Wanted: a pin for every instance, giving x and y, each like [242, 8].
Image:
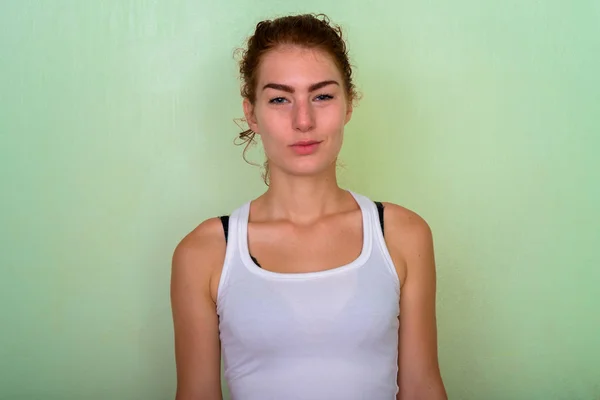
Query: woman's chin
[306, 169]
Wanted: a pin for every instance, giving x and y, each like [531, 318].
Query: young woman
[309, 291]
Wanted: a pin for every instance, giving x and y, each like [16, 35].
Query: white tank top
[324, 335]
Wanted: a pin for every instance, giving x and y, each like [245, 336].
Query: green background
[116, 130]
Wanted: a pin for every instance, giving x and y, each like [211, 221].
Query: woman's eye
[323, 97]
[278, 100]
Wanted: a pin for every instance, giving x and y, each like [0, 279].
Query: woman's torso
[330, 334]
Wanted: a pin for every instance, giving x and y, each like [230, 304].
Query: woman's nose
[303, 119]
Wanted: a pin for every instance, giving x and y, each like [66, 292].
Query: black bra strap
[225, 222]
[380, 211]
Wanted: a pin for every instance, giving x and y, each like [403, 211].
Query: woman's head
[297, 88]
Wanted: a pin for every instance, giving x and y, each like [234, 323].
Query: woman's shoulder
[201, 252]
[206, 233]
[405, 230]
[402, 218]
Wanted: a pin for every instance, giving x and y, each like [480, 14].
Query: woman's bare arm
[197, 262]
[410, 242]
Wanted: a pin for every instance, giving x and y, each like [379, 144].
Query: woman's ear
[349, 110]
[249, 114]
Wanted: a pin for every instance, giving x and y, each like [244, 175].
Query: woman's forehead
[297, 65]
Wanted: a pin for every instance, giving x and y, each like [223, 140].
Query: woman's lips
[305, 147]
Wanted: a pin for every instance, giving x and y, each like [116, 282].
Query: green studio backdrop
[116, 130]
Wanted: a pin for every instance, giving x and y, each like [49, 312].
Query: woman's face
[300, 111]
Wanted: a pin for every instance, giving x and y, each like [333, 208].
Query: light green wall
[116, 139]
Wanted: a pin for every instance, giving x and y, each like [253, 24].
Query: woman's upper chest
[285, 248]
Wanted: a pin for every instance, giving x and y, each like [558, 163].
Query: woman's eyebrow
[289, 89]
[319, 85]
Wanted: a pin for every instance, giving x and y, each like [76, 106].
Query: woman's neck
[301, 200]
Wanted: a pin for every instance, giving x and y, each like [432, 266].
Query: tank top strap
[231, 228]
[375, 216]
[369, 207]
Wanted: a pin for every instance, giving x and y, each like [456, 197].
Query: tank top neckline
[356, 263]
